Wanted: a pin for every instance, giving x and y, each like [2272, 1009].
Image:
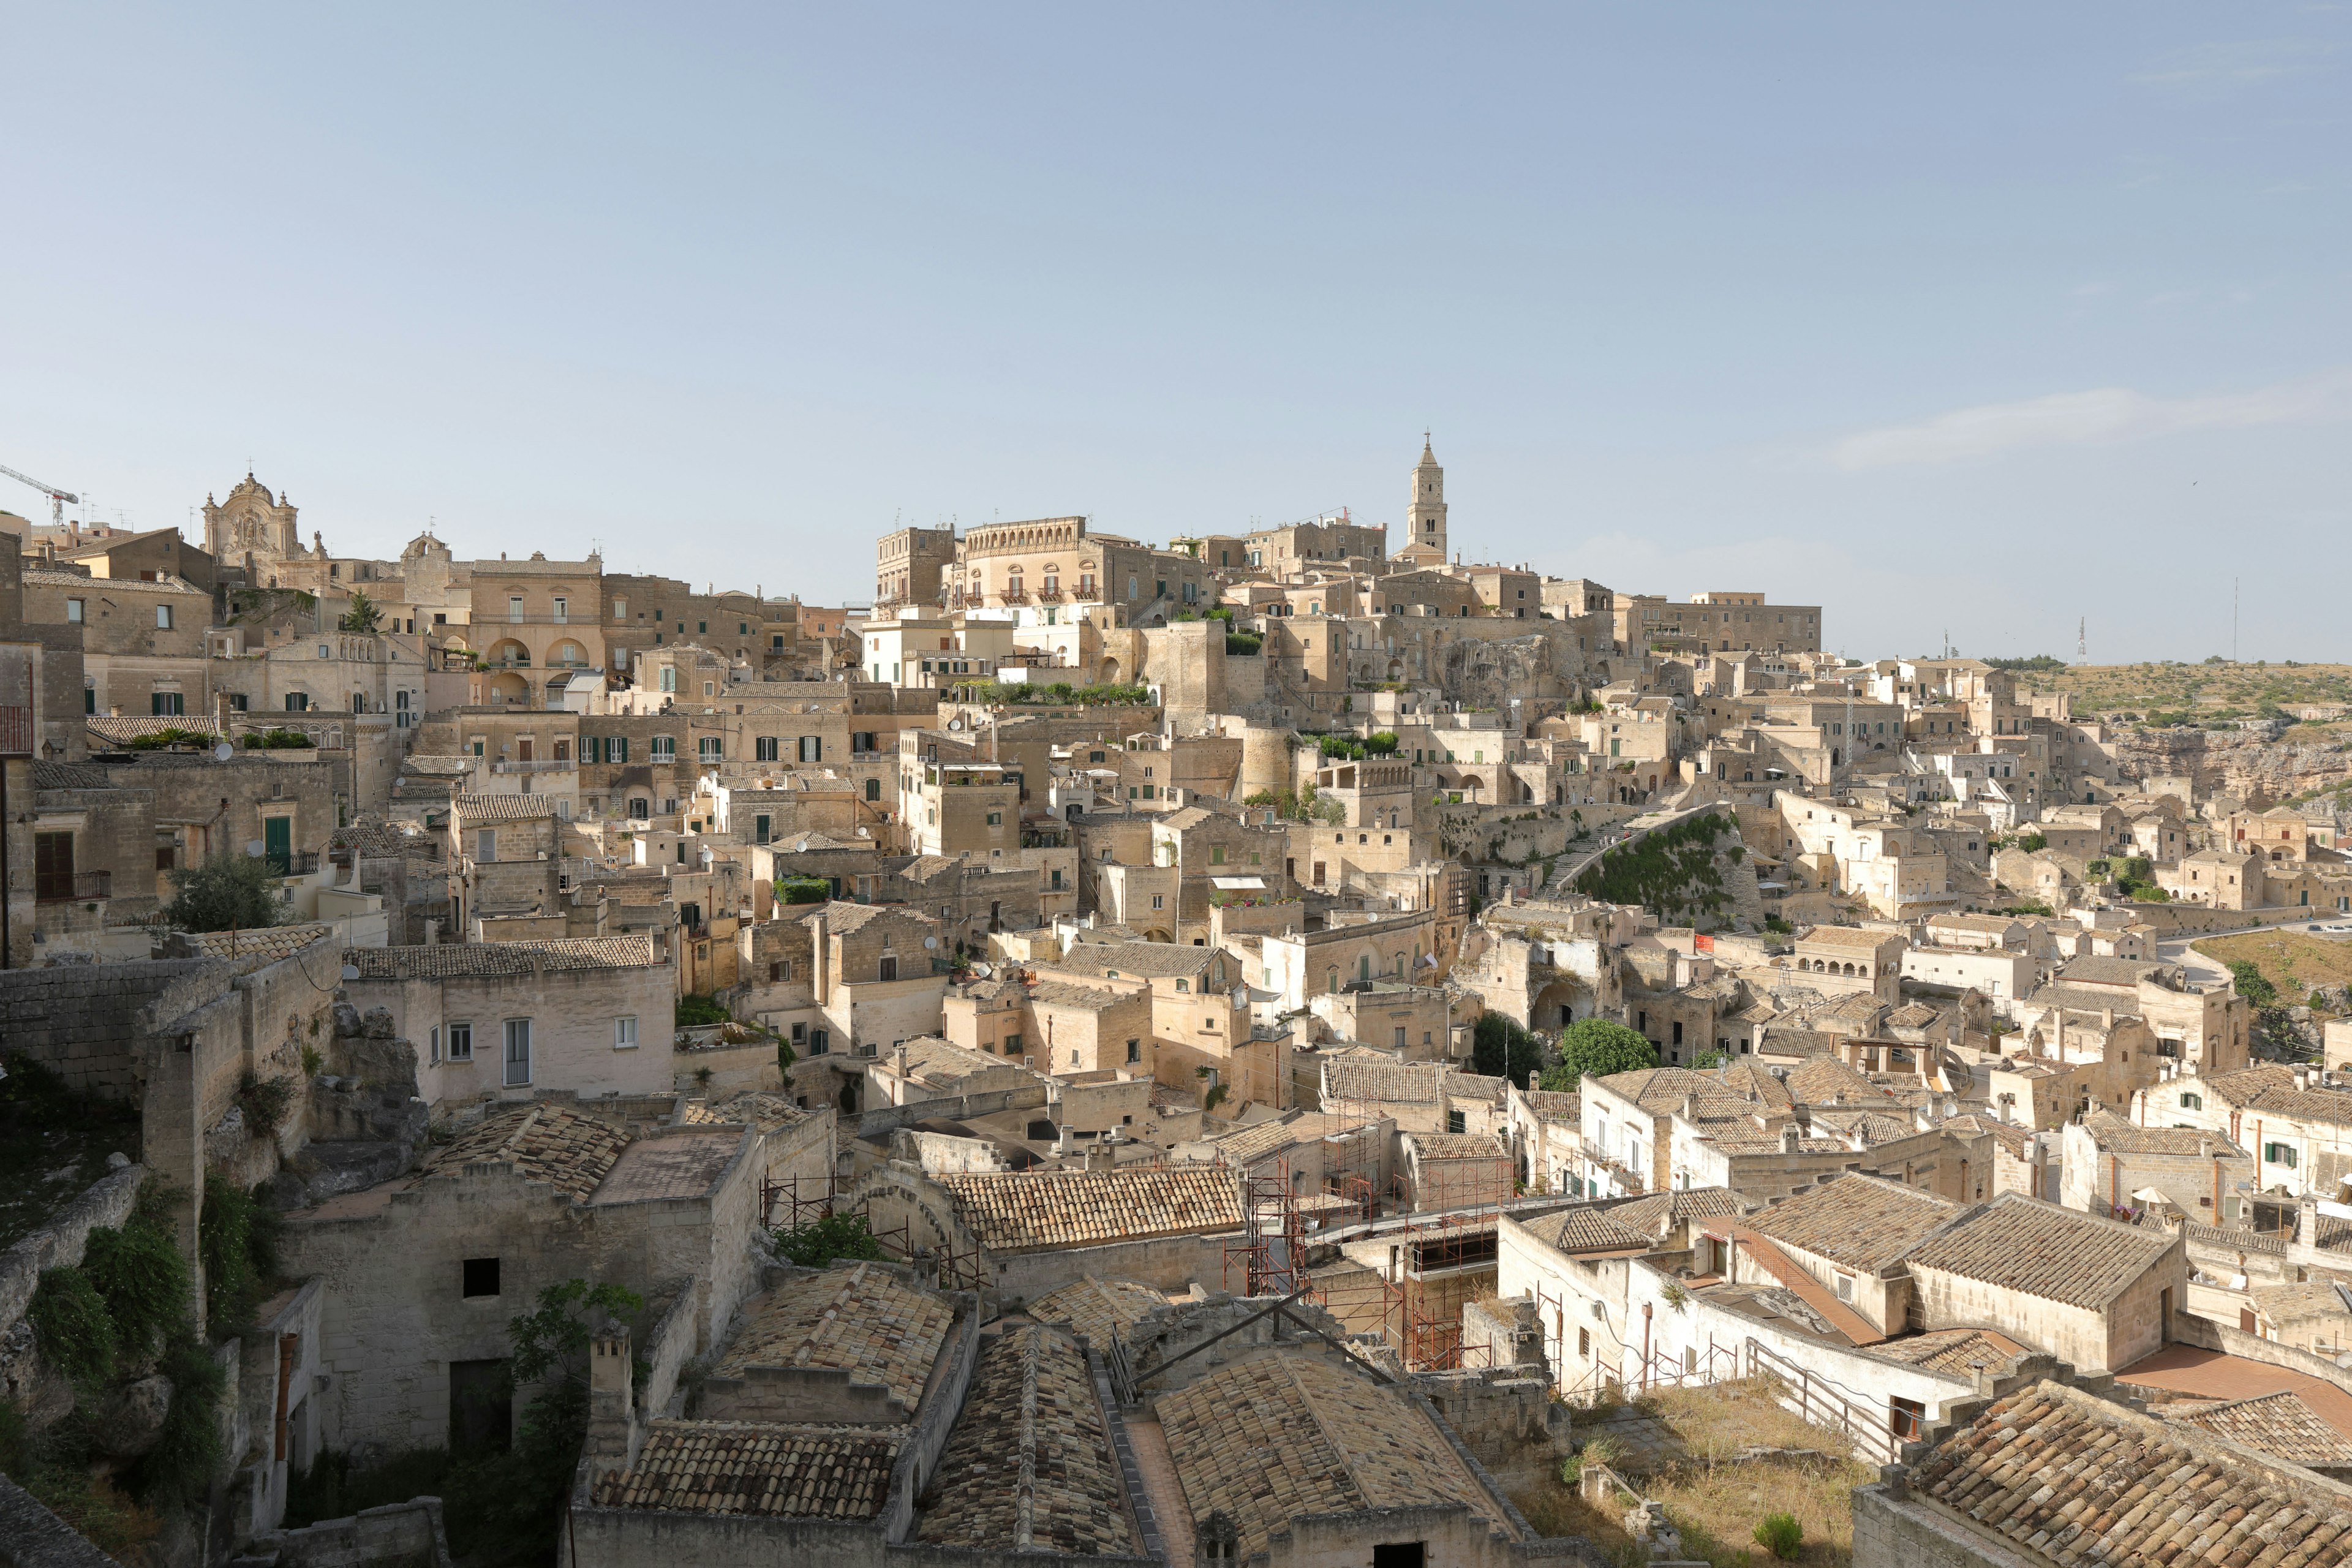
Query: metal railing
[66, 887]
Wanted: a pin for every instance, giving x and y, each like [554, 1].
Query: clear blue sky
[1979, 318]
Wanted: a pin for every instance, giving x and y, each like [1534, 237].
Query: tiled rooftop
[1550, 1105]
[1590, 1230]
[865, 1320]
[2270, 1087]
[1102, 1310]
[441, 960]
[1647, 1214]
[1861, 1222]
[1030, 1413]
[543, 1143]
[1845, 937]
[772, 1471]
[503, 807]
[2112, 1132]
[1957, 1350]
[2067, 1478]
[1432, 1146]
[2023, 1244]
[268, 943]
[1378, 1081]
[1022, 1210]
[769, 1112]
[1282, 1435]
[2280, 1425]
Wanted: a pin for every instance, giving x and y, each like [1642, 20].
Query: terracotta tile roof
[1756, 1083]
[1018, 1211]
[2023, 1244]
[1827, 1080]
[2271, 1087]
[1378, 1081]
[1462, 1085]
[1861, 1222]
[1030, 1431]
[1281, 1436]
[1647, 1214]
[2112, 1132]
[1873, 1127]
[2010, 1137]
[679, 1165]
[2280, 1425]
[2119, 972]
[269, 943]
[1102, 1310]
[1551, 1105]
[2329, 1296]
[106, 728]
[766, 1111]
[376, 839]
[863, 1321]
[775, 1471]
[543, 1143]
[1136, 959]
[1955, 1351]
[442, 961]
[503, 807]
[1662, 1090]
[1847, 937]
[1068, 993]
[1590, 1230]
[2068, 1478]
[1457, 1146]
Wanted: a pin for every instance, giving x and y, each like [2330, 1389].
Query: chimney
[1690, 1107]
[898, 1059]
[2106, 1018]
[818, 977]
[1788, 1138]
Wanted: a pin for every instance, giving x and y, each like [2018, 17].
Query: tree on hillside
[1597, 1047]
[225, 891]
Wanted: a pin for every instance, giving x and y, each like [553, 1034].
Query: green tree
[1597, 1047]
[2252, 983]
[364, 616]
[2034, 843]
[223, 891]
[1500, 1049]
[802, 889]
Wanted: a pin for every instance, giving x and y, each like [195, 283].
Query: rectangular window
[162, 617]
[811, 748]
[461, 1042]
[625, 1034]
[664, 749]
[517, 1052]
[759, 830]
[1135, 1051]
[763, 749]
[820, 1041]
[486, 844]
[709, 749]
[1456, 1122]
[620, 610]
[76, 610]
[562, 609]
[481, 1277]
[616, 749]
[433, 1044]
[166, 702]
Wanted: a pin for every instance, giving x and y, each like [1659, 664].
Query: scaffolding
[1351, 1168]
[1269, 1253]
[1417, 1317]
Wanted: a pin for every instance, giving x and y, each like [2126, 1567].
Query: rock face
[1488, 674]
[2236, 761]
[129, 1419]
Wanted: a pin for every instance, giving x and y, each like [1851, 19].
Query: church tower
[1425, 518]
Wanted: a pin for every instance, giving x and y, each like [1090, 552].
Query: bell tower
[1424, 520]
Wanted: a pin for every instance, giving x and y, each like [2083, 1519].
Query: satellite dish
[983, 970]
[930, 941]
[255, 847]
[955, 723]
[223, 751]
[350, 971]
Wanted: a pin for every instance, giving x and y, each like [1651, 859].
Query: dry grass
[2197, 691]
[1716, 1500]
[2289, 959]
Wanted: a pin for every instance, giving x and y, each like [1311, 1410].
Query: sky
[1976, 323]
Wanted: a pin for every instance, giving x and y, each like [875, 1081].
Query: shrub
[2252, 984]
[818, 1243]
[802, 889]
[2034, 843]
[1781, 1535]
[277, 741]
[222, 891]
[142, 1279]
[264, 1101]
[72, 1327]
[695, 1009]
[237, 1239]
[1243, 644]
[179, 1467]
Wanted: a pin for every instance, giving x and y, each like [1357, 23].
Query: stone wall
[398, 1535]
[1896, 1529]
[33, 1537]
[56, 1245]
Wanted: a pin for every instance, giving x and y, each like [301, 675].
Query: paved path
[2215, 1374]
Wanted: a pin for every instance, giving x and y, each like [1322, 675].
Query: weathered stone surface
[126, 1422]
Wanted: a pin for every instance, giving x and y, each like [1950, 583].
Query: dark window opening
[481, 1406]
[1401, 1554]
[481, 1277]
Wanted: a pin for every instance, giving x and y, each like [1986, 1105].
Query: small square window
[481, 1277]
[625, 1034]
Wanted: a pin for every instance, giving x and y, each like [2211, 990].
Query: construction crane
[57, 498]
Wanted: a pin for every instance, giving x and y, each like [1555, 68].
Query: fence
[1868, 1427]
